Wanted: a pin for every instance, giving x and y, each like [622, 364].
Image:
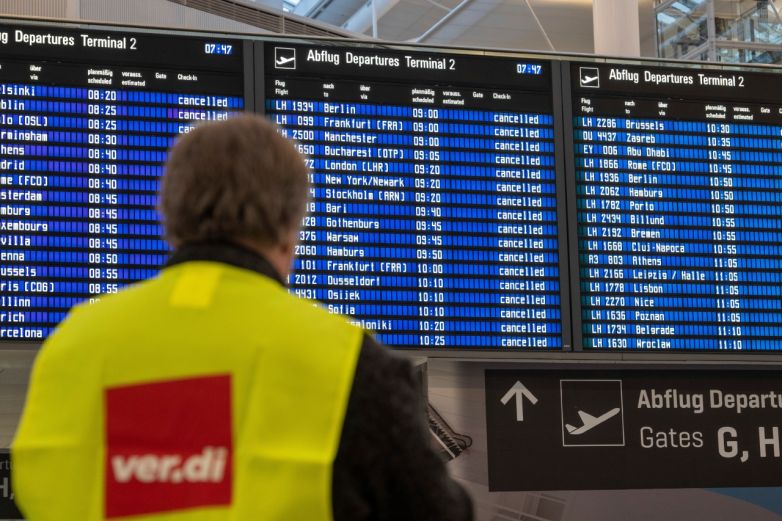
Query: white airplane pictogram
[590, 422]
[589, 79]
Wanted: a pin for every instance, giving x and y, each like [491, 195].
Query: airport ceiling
[508, 24]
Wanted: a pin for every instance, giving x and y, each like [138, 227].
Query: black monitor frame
[689, 356]
[559, 158]
[565, 181]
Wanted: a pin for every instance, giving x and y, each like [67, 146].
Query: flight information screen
[433, 218]
[678, 174]
[86, 118]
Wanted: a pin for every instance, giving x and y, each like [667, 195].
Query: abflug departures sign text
[362, 63]
[674, 82]
[122, 47]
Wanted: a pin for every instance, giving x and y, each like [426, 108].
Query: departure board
[678, 174]
[434, 216]
[87, 116]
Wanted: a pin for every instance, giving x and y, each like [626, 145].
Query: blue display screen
[82, 142]
[433, 218]
[679, 195]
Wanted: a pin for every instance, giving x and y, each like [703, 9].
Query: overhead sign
[592, 430]
[8, 509]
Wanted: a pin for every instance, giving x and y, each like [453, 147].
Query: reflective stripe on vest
[208, 393]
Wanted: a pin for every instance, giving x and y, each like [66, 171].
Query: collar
[227, 253]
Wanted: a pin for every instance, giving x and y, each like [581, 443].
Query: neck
[277, 255]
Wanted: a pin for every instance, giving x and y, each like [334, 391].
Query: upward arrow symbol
[519, 390]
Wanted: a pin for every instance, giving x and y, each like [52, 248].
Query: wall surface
[42, 8]
[158, 13]
[14, 373]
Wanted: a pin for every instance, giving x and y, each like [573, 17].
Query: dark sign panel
[592, 430]
[8, 509]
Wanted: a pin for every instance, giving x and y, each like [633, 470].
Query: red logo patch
[168, 446]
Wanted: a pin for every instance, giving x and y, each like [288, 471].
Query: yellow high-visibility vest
[207, 393]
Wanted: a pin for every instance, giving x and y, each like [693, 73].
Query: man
[210, 392]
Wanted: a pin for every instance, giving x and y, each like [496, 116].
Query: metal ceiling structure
[273, 18]
[548, 25]
[537, 25]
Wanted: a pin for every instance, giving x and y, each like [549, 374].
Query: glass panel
[753, 21]
[681, 27]
[738, 55]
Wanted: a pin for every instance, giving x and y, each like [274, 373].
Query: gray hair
[233, 179]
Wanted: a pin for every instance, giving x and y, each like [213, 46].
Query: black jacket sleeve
[386, 468]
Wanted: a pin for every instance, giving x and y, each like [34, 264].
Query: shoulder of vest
[305, 311]
[253, 286]
[289, 315]
[82, 318]
[311, 310]
[111, 302]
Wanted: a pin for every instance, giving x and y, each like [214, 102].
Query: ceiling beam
[442, 21]
[364, 17]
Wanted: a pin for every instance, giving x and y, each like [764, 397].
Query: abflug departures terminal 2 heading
[455, 195]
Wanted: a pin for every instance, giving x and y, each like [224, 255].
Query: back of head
[237, 179]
